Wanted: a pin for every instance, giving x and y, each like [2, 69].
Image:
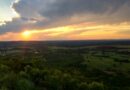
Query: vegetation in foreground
[65, 68]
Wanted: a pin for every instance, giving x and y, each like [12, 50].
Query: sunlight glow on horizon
[26, 35]
[79, 32]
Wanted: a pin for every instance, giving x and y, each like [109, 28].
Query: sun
[26, 35]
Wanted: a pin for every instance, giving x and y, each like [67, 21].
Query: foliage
[65, 69]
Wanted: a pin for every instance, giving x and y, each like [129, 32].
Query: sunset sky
[64, 19]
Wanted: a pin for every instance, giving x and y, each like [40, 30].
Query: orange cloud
[73, 32]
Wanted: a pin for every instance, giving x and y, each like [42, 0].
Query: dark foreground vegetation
[38, 67]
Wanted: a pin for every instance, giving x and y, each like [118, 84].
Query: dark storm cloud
[51, 13]
[68, 8]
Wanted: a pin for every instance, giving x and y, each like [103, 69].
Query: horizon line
[65, 40]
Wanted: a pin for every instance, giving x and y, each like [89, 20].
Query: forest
[96, 67]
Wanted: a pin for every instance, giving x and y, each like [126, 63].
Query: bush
[24, 84]
[96, 86]
[12, 81]
[83, 86]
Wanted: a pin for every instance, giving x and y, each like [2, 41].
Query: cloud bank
[40, 14]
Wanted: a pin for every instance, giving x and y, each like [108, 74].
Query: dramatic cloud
[39, 14]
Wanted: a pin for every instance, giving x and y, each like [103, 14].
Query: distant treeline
[65, 43]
